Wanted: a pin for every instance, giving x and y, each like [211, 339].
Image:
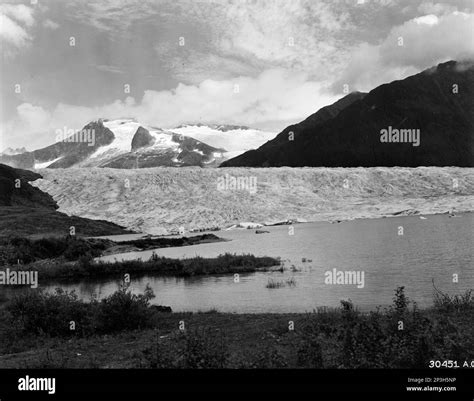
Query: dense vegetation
[62, 314]
[86, 268]
[153, 243]
[123, 330]
[23, 250]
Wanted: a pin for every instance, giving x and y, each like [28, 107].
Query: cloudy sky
[260, 63]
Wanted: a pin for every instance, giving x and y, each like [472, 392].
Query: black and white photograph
[236, 199]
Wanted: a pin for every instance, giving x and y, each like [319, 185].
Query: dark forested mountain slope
[428, 118]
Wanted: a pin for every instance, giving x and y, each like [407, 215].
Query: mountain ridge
[127, 143]
[428, 101]
[122, 143]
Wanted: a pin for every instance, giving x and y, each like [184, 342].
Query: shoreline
[256, 226]
[253, 229]
[334, 338]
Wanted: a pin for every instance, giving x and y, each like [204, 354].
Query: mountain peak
[142, 138]
[426, 119]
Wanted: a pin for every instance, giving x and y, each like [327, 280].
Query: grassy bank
[22, 250]
[124, 331]
[163, 242]
[40, 222]
[72, 259]
[86, 268]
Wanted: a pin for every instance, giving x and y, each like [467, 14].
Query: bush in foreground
[62, 314]
[400, 336]
[124, 311]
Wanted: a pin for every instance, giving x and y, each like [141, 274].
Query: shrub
[37, 312]
[459, 302]
[400, 300]
[291, 282]
[86, 262]
[27, 251]
[77, 248]
[274, 284]
[124, 311]
[40, 313]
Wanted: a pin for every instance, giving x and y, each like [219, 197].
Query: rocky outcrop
[141, 138]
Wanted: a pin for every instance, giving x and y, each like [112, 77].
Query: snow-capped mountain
[137, 145]
[235, 139]
[126, 143]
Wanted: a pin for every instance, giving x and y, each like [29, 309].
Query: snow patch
[235, 141]
[46, 164]
[123, 130]
[163, 140]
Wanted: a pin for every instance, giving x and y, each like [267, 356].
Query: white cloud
[429, 19]
[12, 33]
[21, 13]
[15, 21]
[32, 116]
[27, 128]
[427, 41]
[50, 24]
[275, 94]
[258, 32]
[436, 8]
[246, 43]
[298, 35]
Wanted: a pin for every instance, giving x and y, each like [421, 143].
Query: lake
[434, 247]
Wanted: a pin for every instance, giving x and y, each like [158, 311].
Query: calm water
[434, 248]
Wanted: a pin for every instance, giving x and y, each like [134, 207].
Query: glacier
[235, 141]
[161, 200]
